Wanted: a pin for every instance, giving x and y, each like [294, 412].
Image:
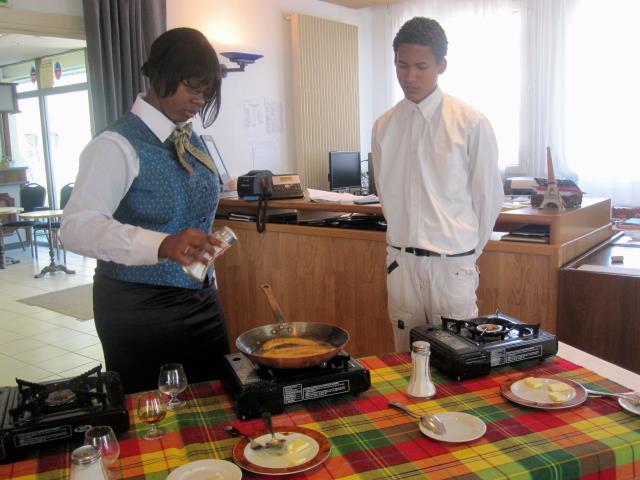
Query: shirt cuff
[147, 244]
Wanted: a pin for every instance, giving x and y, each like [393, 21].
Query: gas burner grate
[38, 399]
[490, 328]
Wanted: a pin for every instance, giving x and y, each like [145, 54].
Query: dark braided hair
[423, 31]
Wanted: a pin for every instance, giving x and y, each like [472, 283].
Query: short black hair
[423, 31]
[181, 54]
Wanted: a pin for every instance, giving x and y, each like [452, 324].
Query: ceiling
[16, 47]
[361, 3]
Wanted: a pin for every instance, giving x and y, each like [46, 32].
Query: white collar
[153, 118]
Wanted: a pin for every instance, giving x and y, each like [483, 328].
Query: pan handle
[277, 312]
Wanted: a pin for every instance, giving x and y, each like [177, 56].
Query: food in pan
[293, 347]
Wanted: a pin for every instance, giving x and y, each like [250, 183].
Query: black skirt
[142, 327]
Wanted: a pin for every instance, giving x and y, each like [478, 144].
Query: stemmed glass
[152, 409]
[172, 381]
[104, 439]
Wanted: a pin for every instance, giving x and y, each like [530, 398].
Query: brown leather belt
[419, 252]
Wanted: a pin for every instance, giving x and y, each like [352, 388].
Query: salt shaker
[86, 464]
[198, 270]
[420, 385]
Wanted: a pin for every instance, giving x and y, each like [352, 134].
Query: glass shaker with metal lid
[420, 385]
[86, 464]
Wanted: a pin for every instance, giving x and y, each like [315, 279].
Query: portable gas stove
[256, 389]
[38, 414]
[469, 348]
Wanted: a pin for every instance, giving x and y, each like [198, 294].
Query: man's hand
[188, 246]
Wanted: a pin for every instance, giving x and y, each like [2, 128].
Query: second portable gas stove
[470, 348]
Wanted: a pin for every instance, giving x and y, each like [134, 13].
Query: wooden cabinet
[599, 304]
[338, 275]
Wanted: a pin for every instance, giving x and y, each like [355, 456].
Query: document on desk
[322, 196]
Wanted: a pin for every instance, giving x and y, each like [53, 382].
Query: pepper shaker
[420, 385]
[198, 270]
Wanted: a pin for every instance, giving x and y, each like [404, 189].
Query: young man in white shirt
[437, 176]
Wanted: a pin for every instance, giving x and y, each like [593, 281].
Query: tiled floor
[38, 344]
[35, 343]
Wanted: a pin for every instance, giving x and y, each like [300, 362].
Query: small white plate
[540, 395]
[460, 427]
[273, 458]
[628, 406]
[206, 470]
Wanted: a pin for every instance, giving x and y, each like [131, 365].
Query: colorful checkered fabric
[371, 441]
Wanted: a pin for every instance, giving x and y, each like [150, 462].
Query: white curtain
[603, 98]
[557, 73]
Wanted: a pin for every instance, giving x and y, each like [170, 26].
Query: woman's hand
[188, 246]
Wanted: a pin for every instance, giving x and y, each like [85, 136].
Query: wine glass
[172, 381]
[152, 409]
[104, 439]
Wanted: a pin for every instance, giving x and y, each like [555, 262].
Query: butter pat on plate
[559, 387]
[533, 382]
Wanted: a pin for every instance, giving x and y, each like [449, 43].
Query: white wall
[260, 26]
[62, 7]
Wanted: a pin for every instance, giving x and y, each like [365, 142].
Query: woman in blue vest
[143, 204]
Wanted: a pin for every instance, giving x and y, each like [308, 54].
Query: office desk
[319, 273]
[371, 441]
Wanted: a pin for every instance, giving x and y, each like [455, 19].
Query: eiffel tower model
[552, 197]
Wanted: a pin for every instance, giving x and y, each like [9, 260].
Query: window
[56, 99]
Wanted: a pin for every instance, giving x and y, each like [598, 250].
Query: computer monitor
[213, 152]
[344, 170]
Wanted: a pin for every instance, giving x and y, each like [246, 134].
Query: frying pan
[250, 342]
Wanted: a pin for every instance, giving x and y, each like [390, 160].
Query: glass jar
[198, 270]
[420, 385]
[86, 464]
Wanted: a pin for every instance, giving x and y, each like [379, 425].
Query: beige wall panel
[326, 105]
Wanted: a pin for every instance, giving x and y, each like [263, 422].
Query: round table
[4, 260]
[48, 214]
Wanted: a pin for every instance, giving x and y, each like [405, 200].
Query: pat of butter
[298, 445]
[532, 382]
[295, 458]
[559, 387]
[557, 396]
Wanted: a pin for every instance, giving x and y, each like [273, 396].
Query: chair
[65, 194]
[7, 222]
[33, 197]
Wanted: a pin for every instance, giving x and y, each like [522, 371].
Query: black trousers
[142, 327]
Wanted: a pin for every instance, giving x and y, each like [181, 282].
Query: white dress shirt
[108, 166]
[437, 175]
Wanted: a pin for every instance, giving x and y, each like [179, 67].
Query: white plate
[517, 391]
[628, 406]
[272, 458]
[206, 470]
[460, 427]
[268, 461]
[540, 395]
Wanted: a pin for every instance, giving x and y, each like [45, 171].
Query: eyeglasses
[206, 93]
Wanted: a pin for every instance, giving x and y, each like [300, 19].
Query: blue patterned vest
[163, 197]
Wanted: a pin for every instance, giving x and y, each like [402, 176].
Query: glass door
[69, 129]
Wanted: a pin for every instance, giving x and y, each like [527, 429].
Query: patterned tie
[180, 137]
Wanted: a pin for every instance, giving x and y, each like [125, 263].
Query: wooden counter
[338, 275]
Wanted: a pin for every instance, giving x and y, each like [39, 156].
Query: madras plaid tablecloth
[372, 441]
